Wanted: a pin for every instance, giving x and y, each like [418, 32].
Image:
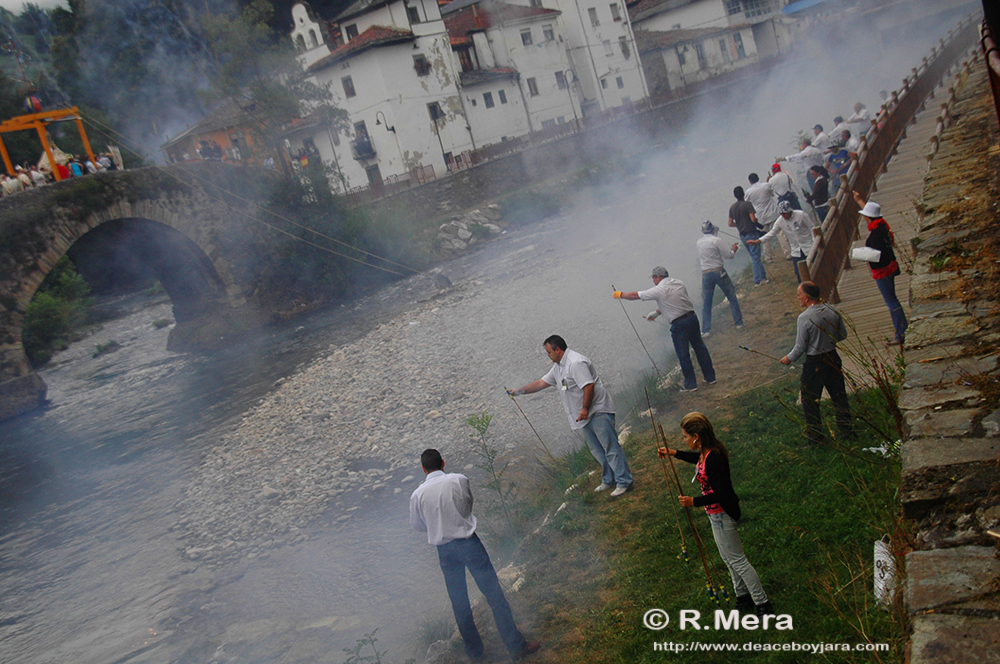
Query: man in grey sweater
[819, 328]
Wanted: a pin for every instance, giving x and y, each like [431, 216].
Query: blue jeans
[602, 439]
[821, 212]
[709, 280]
[759, 274]
[795, 265]
[686, 335]
[455, 557]
[727, 538]
[887, 287]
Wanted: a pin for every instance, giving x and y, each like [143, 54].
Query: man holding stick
[819, 328]
[672, 299]
[589, 409]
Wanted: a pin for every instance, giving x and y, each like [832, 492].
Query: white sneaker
[740, 327]
[693, 389]
[620, 491]
[602, 487]
[706, 335]
[711, 382]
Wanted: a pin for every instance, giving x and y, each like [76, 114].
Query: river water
[131, 527]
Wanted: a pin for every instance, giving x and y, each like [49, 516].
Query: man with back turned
[442, 507]
[819, 328]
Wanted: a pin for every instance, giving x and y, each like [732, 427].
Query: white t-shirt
[839, 130]
[798, 230]
[781, 183]
[671, 298]
[570, 375]
[712, 252]
[821, 142]
[809, 157]
[442, 507]
[853, 144]
[765, 202]
[862, 121]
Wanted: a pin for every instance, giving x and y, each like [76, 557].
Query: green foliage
[57, 311]
[489, 456]
[161, 323]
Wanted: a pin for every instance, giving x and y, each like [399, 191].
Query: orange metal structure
[38, 121]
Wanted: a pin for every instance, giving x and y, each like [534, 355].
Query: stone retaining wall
[950, 480]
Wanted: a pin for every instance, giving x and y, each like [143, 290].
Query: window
[699, 49]
[604, 83]
[548, 123]
[473, 100]
[753, 8]
[526, 37]
[300, 43]
[593, 17]
[561, 120]
[465, 59]
[620, 82]
[626, 101]
[548, 34]
[488, 99]
[616, 14]
[738, 40]
[413, 14]
[733, 7]
[312, 39]
[623, 45]
[724, 50]
[351, 31]
[434, 110]
[421, 65]
[503, 96]
[532, 87]
[607, 48]
[561, 80]
[535, 3]
[680, 57]
[348, 87]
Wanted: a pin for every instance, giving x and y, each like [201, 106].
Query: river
[136, 525]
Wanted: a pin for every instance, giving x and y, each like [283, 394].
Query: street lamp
[379, 122]
[569, 92]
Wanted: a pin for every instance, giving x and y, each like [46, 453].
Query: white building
[688, 41]
[396, 78]
[515, 75]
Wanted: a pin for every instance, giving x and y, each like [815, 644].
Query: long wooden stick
[666, 478]
[655, 368]
[544, 447]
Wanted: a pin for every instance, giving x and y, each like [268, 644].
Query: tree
[256, 70]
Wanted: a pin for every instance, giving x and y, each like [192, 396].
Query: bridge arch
[189, 212]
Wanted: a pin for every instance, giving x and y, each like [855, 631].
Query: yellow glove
[617, 295]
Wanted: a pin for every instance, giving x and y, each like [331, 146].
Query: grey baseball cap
[659, 271]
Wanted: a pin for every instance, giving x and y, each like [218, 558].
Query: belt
[682, 317]
[718, 269]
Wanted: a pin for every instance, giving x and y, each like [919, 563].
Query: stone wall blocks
[917, 398]
[938, 578]
[929, 331]
[940, 423]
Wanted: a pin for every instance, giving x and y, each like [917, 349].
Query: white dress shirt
[798, 231]
[671, 298]
[781, 183]
[765, 202]
[821, 142]
[570, 375]
[809, 157]
[713, 252]
[442, 507]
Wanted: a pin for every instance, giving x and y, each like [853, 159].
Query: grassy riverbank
[811, 516]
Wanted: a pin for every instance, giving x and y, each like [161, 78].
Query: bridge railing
[838, 231]
[991, 52]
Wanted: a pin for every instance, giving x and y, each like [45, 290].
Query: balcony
[362, 148]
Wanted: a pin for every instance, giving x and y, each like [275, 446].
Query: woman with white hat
[885, 269]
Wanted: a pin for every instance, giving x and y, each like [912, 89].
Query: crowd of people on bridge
[31, 176]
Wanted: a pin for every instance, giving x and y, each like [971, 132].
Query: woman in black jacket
[820, 196]
[720, 501]
[885, 269]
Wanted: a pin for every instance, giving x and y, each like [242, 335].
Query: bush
[58, 310]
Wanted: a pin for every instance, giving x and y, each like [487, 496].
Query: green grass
[810, 516]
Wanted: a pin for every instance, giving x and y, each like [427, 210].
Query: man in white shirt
[765, 203]
[672, 299]
[712, 254]
[442, 507]
[808, 156]
[851, 144]
[839, 128]
[589, 409]
[861, 120]
[820, 140]
[783, 185]
[797, 227]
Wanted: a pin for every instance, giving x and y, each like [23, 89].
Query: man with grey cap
[797, 227]
[712, 254]
[672, 301]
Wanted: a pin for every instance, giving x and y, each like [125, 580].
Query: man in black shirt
[743, 217]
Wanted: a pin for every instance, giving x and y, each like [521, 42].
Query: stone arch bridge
[199, 216]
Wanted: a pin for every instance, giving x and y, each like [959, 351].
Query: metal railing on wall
[991, 22]
[838, 231]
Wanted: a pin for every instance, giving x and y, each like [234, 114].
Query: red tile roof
[470, 19]
[377, 35]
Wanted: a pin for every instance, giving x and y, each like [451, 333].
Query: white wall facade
[389, 91]
[716, 62]
[308, 35]
[698, 14]
[506, 119]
